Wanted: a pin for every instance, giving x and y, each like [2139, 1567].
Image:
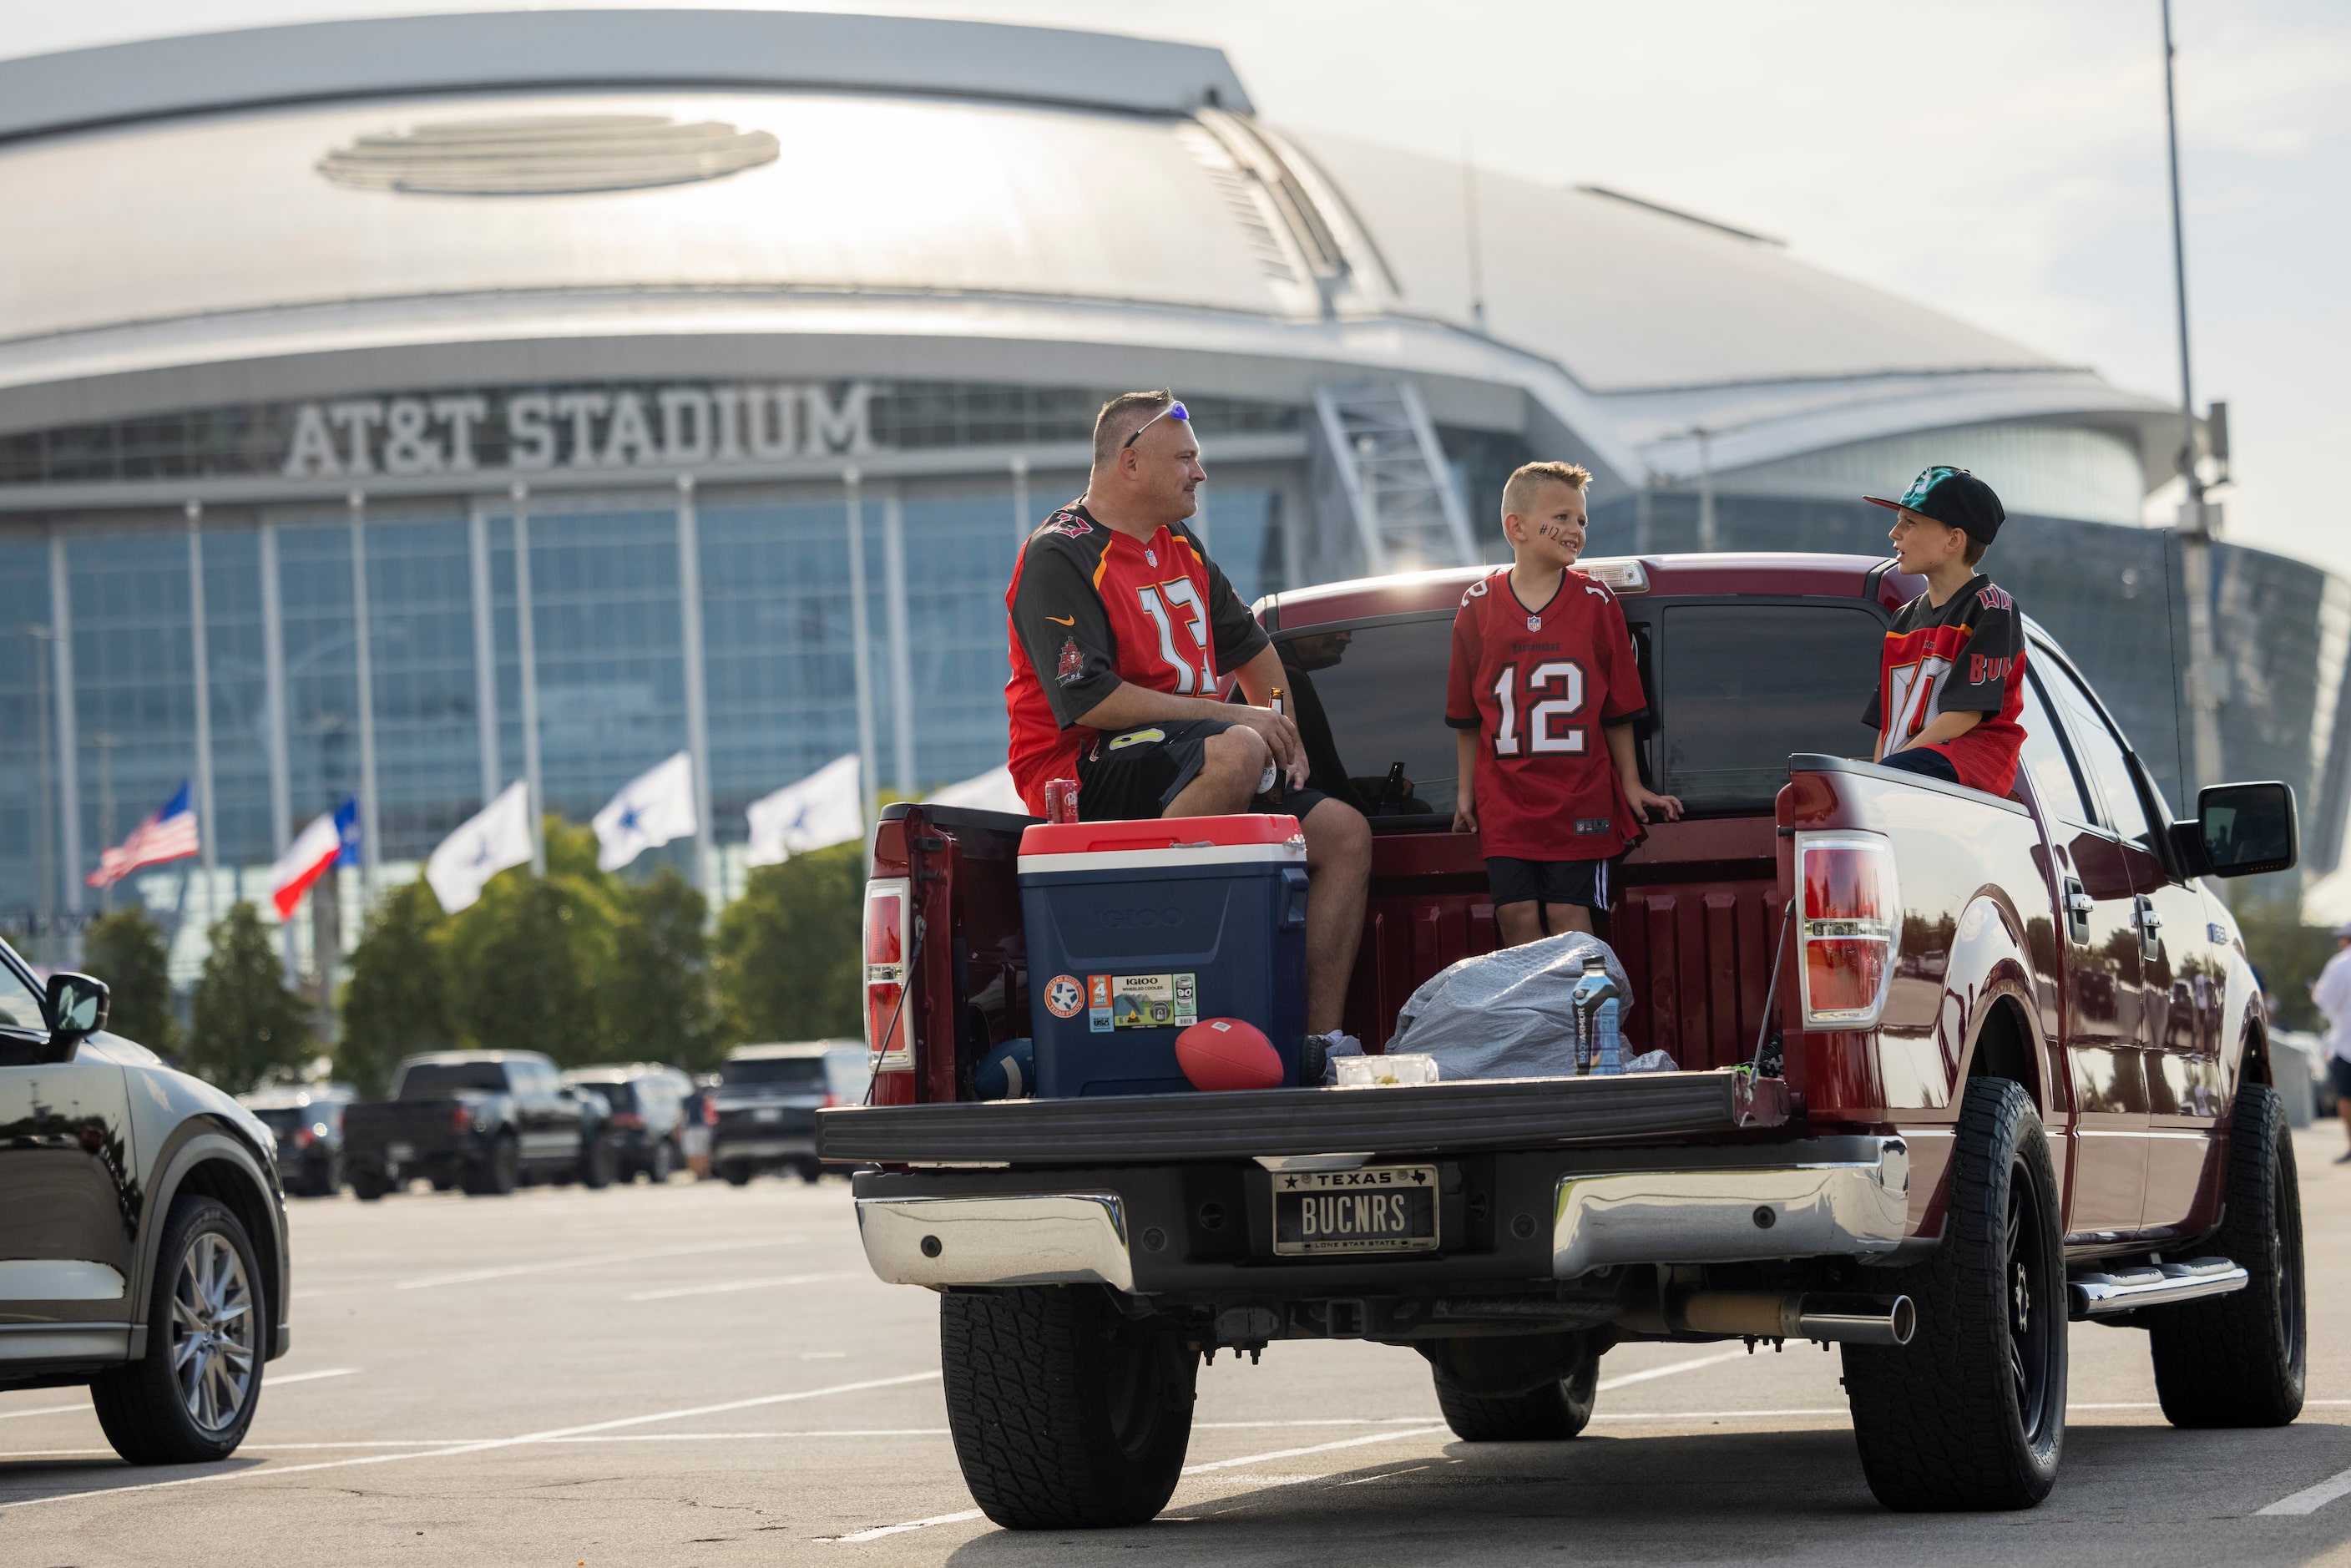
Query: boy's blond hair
[1519, 493]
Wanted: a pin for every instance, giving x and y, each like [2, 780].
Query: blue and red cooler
[1138, 930]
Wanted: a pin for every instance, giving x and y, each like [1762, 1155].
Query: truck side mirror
[79, 1005]
[2246, 829]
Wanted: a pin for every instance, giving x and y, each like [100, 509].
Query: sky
[1999, 160]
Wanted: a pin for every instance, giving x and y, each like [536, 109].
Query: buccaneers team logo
[1069, 524]
[1073, 662]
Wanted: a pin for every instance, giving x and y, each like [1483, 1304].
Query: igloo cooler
[1138, 930]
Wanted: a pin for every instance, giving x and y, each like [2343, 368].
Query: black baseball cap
[1953, 498]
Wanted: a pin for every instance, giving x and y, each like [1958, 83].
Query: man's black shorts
[1131, 774]
[1515, 881]
[2338, 1077]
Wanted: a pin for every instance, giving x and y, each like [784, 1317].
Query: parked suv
[143, 1247]
[309, 1124]
[647, 1121]
[767, 1099]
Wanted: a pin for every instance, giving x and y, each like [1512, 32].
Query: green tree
[126, 949]
[790, 950]
[397, 1001]
[660, 1007]
[531, 965]
[2288, 952]
[247, 1028]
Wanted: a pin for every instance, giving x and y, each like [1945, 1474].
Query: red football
[1227, 1054]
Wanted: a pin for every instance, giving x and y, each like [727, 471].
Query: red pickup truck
[1954, 1071]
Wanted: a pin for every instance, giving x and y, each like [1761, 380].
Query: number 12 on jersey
[1541, 737]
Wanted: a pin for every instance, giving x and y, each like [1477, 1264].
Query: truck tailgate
[1497, 1114]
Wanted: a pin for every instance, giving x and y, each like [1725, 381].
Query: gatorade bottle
[1599, 1042]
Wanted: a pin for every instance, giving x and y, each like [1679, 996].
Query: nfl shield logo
[1534, 623]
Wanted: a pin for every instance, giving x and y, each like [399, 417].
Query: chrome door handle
[2080, 902]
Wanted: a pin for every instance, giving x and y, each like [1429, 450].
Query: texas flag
[328, 840]
[168, 834]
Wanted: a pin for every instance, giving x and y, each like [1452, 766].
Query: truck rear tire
[1550, 1414]
[1066, 1414]
[599, 1164]
[2241, 1360]
[369, 1184]
[498, 1174]
[1970, 1415]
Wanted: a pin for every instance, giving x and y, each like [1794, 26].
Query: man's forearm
[1259, 676]
[1129, 705]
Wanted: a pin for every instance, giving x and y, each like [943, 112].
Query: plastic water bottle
[1598, 1001]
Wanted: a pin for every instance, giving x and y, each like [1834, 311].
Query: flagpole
[199, 648]
[861, 637]
[68, 743]
[527, 647]
[370, 823]
[697, 697]
[272, 668]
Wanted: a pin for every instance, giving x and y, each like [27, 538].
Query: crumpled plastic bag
[1506, 1014]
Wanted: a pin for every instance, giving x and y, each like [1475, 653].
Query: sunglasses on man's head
[1173, 411]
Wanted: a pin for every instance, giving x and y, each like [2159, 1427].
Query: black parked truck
[487, 1121]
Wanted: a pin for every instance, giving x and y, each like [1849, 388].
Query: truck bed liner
[1496, 1114]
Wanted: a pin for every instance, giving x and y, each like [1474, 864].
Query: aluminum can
[1060, 799]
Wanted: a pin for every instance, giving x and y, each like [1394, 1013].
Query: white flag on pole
[990, 791]
[823, 810]
[650, 811]
[496, 837]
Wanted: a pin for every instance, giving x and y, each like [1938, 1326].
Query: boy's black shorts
[1925, 761]
[1516, 880]
[1133, 775]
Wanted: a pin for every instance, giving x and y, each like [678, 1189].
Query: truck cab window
[1742, 687]
[2055, 783]
[2101, 752]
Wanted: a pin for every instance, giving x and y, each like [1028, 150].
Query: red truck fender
[1995, 1022]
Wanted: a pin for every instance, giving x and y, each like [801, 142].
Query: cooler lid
[1249, 837]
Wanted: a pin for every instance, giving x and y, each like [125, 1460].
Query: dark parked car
[648, 1115]
[143, 1235]
[483, 1120]
[308, 1123]
[767, 1099]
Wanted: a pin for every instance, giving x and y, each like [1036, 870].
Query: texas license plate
[767, 1113]
[400, 1154]
[1372, 1208]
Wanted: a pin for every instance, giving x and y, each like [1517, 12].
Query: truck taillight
[710, 1110]
[462, 1118]
[1850, 917]
[889, 1023]
[628, 1119]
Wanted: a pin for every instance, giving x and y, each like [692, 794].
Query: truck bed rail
[1495, 1113]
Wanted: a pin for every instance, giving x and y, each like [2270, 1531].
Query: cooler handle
[1293, 901]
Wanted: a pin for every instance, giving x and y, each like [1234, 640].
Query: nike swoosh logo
[1064, 620]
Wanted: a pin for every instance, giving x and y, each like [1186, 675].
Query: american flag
[169, 835]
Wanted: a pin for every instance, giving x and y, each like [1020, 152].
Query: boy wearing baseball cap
[1951, 679]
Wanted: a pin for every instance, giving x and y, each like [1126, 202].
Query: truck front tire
[1066, 1414]
[1970, 1415]
[2239, 1360]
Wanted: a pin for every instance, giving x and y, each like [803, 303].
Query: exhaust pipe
[1763, 1314]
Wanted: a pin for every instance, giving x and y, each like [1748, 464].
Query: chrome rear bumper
[1033, 1238]
[1733, 1214]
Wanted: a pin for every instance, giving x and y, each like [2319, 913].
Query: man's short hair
[1520, 493]
[1121, 417]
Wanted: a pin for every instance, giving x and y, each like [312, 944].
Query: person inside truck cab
[1542, 695]
[1121, 631]
[1951, 678]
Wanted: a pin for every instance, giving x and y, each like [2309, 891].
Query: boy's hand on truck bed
[1645, 800]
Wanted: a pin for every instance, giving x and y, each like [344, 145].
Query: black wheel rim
[2028, 1297]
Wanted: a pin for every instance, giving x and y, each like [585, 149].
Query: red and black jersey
[1968, 656]
[1090, 608]
[1537, 685]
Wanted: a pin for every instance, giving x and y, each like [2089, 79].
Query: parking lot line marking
[1396, 1436]
[267, 1381]
[738, 1436]
[726, 1286]
[2310, 1499]
[1670, 1369]
[969, 1513]
[1318, 1421]
[514, 1270]
[486, 1445]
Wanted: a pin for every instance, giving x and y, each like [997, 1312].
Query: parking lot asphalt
[699, 1374]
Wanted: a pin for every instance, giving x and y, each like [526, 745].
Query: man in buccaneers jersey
[1542, 696]
[1951, 679]
[1122, 629]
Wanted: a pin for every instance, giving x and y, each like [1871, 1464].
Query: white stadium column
[485, 651]
[69, 741]
[273, 686]
[902, 677]
[697, 694]
[527, 647]
[861, 640]
[363, 638]
[200, 655]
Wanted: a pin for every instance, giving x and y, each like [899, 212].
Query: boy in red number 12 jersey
[1541, 697]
